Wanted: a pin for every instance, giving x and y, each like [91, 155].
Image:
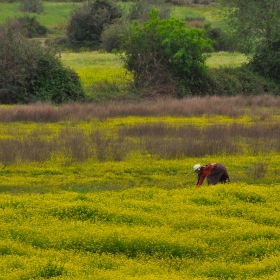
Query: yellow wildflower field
[138, 216]
[94, 67]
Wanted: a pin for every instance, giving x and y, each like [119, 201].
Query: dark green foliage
[111, 35]
[237, 81]
[256, 26]
[165, 57]
[31, 6]
[140, 9]
[221, 40]
[49, 270]
[28, 26]
[266, 61]
[30, 73]
[88, 21]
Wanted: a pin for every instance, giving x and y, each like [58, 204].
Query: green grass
[55, 14]
[209, 13]
[8, 11]
[220, 59]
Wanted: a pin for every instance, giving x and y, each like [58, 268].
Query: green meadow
[54, 15]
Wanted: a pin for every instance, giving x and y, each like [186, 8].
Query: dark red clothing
[205, 172]
[214, 172]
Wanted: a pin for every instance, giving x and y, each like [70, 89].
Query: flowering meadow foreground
[115, 198]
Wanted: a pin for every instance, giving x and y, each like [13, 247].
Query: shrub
[110, 36]
[88, 20]
[139, 10]
[29, 72]
[240, 80]
[221, 40]
[266, 61]
[31, 6]
[28, 26]
[165, 57]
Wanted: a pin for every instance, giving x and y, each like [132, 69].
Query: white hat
[196, 166]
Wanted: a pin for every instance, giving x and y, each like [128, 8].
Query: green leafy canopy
[166, 45]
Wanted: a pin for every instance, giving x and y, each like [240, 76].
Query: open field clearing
[220, 59]
[103, 197]
[206, 14]
[94, 67]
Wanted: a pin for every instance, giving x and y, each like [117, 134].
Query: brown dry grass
[193, 106]
[158, 139]
[195, 23]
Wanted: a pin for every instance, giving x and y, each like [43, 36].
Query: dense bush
[140, 9]
[255, 25]
[165, 57]
[110, 35]
[27, 25]
[88, 20]
[221, 40]
[31, 6]
[29, 72]
[266, 61]
[230, 81]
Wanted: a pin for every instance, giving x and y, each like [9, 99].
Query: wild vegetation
[107, 190]
[245, 80]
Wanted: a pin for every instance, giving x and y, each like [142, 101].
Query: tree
[88, 21]
[140, 9]
[27, 25]
[256, 24]
[29, 72]
[165, 57]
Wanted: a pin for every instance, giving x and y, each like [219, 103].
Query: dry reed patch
[260, 106]
[159, 139]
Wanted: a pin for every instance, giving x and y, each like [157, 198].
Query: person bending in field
[214, 172]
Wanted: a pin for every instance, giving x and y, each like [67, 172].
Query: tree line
[165, 56]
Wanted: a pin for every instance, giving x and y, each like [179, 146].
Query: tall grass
[157, 139]
[260, 107]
